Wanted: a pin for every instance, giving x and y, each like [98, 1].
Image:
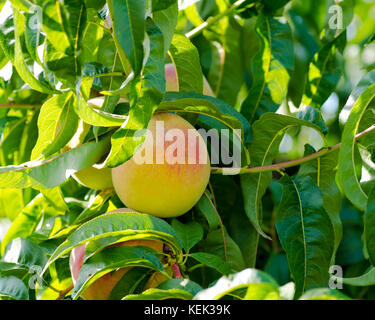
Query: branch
[63, 293]
[210, 21]
[288, 164]
[19, 105]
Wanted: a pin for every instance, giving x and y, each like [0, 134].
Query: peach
[101, 288]
[172, 81]
[174, 172]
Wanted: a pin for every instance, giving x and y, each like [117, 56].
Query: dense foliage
[295, 221]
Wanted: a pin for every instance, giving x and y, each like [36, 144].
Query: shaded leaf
[111, 259]
[271, 68]
[212, 261]
[14, 288]
[305, 232]
[268, 132]
[122, 226]
[346, 174]
[227, 284]
[190, 233]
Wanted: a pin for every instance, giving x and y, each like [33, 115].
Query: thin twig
[287, 164]
[221, 226]
[63, 293]
[19, 105]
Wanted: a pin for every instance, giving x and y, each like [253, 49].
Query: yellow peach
[174, 172]
[101, 288]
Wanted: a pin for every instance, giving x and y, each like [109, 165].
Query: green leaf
[190, 233]
[111, 259]
[57, 123]
[64, 24]
[53, 171]
[323, 294]
[33, 36]
[23, 5]
[28, 220]
[206, 207]
[268, 132]
[161, 4]
[11, 140]
[95, 116]
[227, 71]
[19, 60]
[129, 26]
[219, 243]
[13, 269]
[202, 105]
[323, 171]
[11, 209]
[14, 288]
[305, 232]
[166, 20]
[227, 284]
[24, 252]
[62, 66]
[119, 226]
[159, 294]
[369, 227]
[274, 5]
[212, 261]
[335, 20]
[55, 197]
[7, 40]
[271, 68]
[145, 96]
[94, 206]
[277, 267]
[364, 280]
[185, 57]
[262, 291]
[211, 108]
[367, 80]
[132, 282]
[346, 174]
[313, 115]
[183, 284]
[323, 74]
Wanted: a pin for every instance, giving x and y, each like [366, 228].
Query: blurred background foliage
[307, 19]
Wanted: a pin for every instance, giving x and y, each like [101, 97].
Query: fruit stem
[287, 164]
[63, 293]
[176, 271]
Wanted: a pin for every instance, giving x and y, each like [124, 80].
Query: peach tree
[283, 209]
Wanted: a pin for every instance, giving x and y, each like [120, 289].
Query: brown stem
[288, 164]
[176, 271]
[18, 105]
[63, 293]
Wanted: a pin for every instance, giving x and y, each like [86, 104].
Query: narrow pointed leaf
[187, 63]
[268, 132]
[305, 232]
[347, 176]
[124, 226]
[271, 68]
[57, 124]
